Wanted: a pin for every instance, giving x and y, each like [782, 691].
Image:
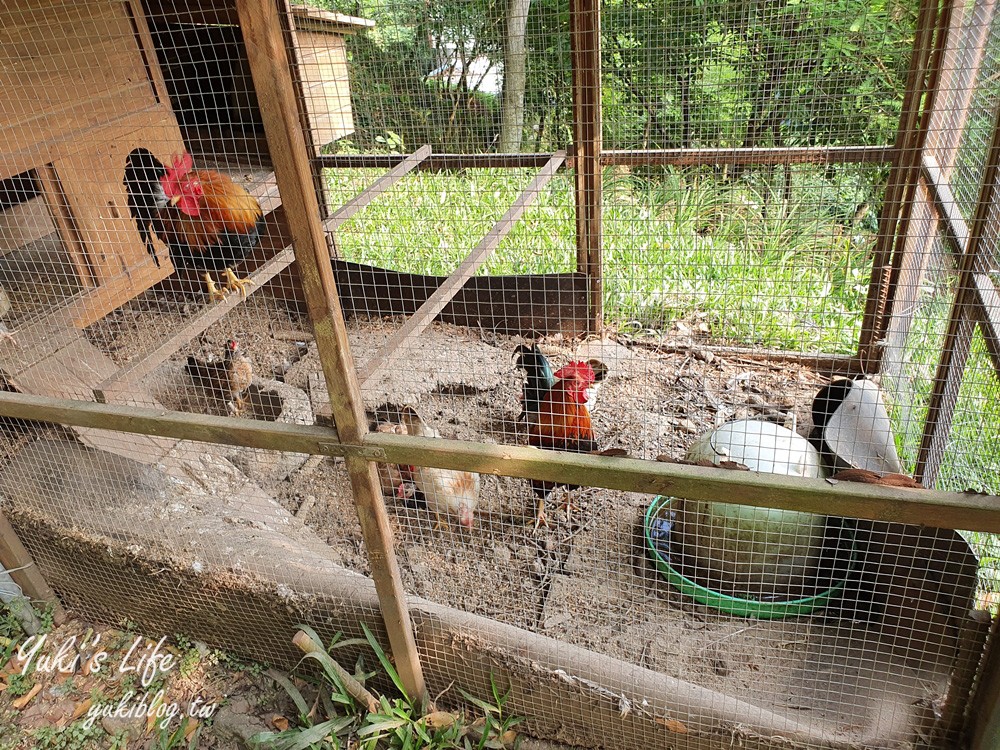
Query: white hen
[445, 490]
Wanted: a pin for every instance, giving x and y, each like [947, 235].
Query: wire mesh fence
[714, 234]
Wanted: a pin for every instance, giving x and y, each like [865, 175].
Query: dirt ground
[583, 579]
[49, 705]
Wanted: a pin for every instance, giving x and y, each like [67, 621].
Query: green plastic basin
[761, 610]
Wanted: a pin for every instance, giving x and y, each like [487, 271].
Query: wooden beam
[678, 157]
[694, 157]
[14, 558]
[210, 314]
[266, 31]
[986, 305]
[585, 47]
[956, 229]
[55, 199]
[918, 102]
[988, 314]
[376, 189]
[984, 711]
[984, 230]
[527, 305]
[426, 313]
[948, 510]
[434, 161]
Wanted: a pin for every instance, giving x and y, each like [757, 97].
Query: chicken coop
[642, 359]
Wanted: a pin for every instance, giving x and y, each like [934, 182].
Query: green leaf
[384, 661]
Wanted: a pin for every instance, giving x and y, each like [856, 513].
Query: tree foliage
[677, 73]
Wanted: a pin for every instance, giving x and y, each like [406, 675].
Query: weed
[19, 684]
[76, 736]
[353, 717]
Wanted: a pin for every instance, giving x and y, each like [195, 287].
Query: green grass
[345, 714]
[760, 270]
[763, 273]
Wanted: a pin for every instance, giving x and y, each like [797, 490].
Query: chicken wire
[731, 291]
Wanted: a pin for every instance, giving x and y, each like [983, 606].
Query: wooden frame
[441, 296]
[585, 46]
[15, 560]
[266, 26]
[948, 510]
[266, 31]
[982, 230]
[921, 87]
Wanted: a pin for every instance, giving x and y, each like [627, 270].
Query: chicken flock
[209, 224]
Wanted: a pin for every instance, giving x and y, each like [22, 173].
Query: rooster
[207, 221]
[226, 380]
[539, 379]
[444, 490]
[562, 422]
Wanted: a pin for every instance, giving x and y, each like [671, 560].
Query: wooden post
[983, 231]
[963, 51]
[585, 43]
[984, 712]
[265, 35]
[953, 117]
[900, 194]
[15, 559]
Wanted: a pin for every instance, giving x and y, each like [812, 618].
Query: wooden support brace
[434, 304]
[434, 161]
[984, 229]
[986, 304]
[988, 313]
[267, 33]
[918, 102]
[211, 314]
[15, 559]
[376, 189]
[946, 510]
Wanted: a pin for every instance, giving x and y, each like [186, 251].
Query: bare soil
[584, 578]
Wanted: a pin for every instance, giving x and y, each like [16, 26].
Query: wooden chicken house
[127, 73]
[169, 75]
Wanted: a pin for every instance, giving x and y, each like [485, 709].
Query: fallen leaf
[25, 699]
[193, 726]
[81, 709]
[88, 666]
[673, 725]
[440, 719]
[280, 722]
[152, 718]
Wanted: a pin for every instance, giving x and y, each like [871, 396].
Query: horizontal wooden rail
[425, 314]
[209, 315]
[376, 189]
[633, 157]
[952, 510]
[434, 161]
[690, 157]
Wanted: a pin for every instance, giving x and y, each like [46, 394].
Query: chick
[396, 480]
[5, 307]
[228, 379]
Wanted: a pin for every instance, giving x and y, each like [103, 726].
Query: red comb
[581, 370]
[183, 163]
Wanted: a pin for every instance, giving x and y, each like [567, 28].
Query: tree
[515, 73]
